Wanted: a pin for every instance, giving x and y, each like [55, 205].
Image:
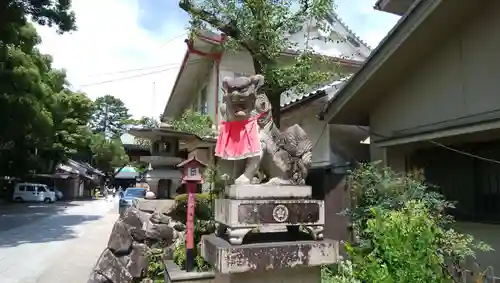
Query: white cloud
[369, 24]
[109, 40]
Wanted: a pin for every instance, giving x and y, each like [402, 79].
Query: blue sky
[147, 33]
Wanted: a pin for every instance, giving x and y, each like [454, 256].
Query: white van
[33, 192]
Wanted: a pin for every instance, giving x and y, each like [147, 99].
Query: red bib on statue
[238, 139]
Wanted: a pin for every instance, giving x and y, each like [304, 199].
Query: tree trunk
[275, 99]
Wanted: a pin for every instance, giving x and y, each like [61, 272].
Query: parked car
[129, 195]
[59, 194]
[33, 192]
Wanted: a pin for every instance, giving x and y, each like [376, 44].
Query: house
[198, 86]
[73, 178]
[429, 95]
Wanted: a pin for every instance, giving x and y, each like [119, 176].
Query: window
[203, 101]
[22, 188]
[41, 189]
[30, 188]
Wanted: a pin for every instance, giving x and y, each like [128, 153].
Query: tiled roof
[291, 97]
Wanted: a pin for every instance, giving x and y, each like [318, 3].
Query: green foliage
[217, 183]
[204, 225]
[110, 116]
[15, 13]
[194, 123]
[43, 120]
[261, 28]
[155, 263]
[201, 227]
[342, 272]
[404, 247]
[402, 230]
[203, 207]
[107, 154]
[381, 189]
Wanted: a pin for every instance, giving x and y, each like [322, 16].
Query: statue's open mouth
[239, 110]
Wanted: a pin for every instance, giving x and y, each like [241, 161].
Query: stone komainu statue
[248, 133]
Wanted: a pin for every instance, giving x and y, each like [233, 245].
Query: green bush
[404, 247]
[203, 207]
[201, 227]
[402, 231]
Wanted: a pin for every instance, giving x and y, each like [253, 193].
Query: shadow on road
[60, 228]
[20, 214]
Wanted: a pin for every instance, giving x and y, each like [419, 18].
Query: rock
[132, 217]
[159, 218]
[97, 278]
[169, 252]
[138, 234]
[120, 240]
[179, 226]
[147, 280]
[138, 264]
[124, 259]
[150, 195]
[111, 268]
[160, 232]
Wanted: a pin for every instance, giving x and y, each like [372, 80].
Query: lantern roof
[189, 160]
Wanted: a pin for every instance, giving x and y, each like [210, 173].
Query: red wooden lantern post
[191, 176]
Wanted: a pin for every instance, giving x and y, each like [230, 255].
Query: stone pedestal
[261, 236]
[268, 208]
[272, 262]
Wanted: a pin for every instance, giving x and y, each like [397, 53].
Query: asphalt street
[53, 243]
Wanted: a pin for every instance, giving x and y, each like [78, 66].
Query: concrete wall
[458, 80]
[315, 129]
[231, 64]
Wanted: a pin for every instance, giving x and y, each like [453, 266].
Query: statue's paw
[242, 180]
[278, 181]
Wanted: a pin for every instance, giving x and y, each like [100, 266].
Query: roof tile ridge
[339, 19]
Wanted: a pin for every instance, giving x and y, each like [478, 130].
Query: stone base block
[262, 191]
[174, 274]
[289, 275]
[238, 217]
[265, 259]
[155, 205]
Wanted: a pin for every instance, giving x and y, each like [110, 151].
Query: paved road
[55, 248]
[13, 215]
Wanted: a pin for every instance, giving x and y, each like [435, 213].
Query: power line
[174, 38]
[136, 76]
[142, 68]
[442, 146]
[132, 70]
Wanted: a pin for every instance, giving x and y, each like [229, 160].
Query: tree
[110, 116]
[107, 154]
[15, 13]
[194, 123]
[146, 122]
[42, 119]
[260, 27]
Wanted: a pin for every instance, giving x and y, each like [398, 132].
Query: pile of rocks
[125, 260]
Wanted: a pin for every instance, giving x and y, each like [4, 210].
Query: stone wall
[142, 227]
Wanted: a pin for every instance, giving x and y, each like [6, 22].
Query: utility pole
[105, 130]
[153, 100]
